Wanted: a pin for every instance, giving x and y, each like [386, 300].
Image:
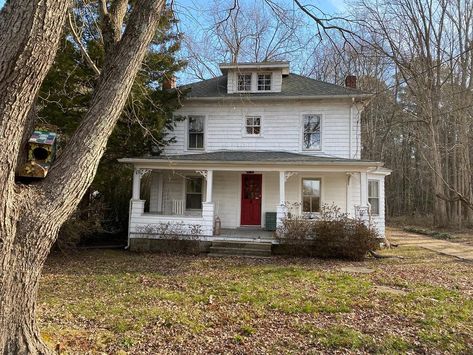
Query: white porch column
[282, 208]
[208, 208]
[363, 189]
[137, 174]
[210, 174]
[282, 187]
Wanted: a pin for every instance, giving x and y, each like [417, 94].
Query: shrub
[332, 234]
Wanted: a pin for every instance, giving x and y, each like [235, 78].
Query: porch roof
[253, 157]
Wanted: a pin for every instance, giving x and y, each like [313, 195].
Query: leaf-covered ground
[121, 302]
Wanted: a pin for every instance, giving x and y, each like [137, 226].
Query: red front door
[251, 199]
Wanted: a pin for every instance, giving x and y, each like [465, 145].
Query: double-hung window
[196, 132]
[244, 82]
[311, 132]
[252, 125]
[194, 193]
[311, 195]
[373, 196]
[264, 81]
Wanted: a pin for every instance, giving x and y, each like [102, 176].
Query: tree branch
[82, 48]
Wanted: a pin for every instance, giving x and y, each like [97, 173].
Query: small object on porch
[217, 226]
[270, 221]
[42, 148]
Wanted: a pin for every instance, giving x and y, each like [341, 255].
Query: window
[196, 132]
[373, 196]
[253, 125]
[310, 195]
[264, 82]
[194, 193]
[244, 82]
[311, 132]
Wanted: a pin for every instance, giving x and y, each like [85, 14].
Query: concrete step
[242, 245]
[221, 250]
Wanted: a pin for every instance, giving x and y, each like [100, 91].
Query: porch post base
[208, 216]
[281, 214]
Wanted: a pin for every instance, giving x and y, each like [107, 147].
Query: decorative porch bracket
[204, 173]
[142, 172]
[288, 175]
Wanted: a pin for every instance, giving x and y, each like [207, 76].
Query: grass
[120, 302]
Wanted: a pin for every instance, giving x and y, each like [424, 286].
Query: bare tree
[30, 215]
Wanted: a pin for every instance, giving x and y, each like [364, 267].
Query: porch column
[137, 174]
[208, 208]
[282, 208]
[363, 188]
[210, 174]
[282, 187]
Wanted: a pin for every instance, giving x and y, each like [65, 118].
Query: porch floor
[243, 234]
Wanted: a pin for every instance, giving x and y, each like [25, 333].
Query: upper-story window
[311, 133]
[196, 132]
[253, 125]
[264, 81]
[244, 82]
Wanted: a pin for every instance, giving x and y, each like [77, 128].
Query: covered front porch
[209, 199]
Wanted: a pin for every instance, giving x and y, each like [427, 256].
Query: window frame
[250, 74]
[188, 133]
[264, 85]
[245, 126]
[378, 198]
[319, 179]
[303, 133]
[193, 177]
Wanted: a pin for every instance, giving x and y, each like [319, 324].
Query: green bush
[331, 235]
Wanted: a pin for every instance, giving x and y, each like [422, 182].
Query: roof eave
[240, 162]
[279, 97]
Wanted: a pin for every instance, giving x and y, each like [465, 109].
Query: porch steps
[240, 248]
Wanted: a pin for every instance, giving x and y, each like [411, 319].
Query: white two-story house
[254, 141]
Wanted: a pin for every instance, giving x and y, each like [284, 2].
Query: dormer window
[264, 81]
[244, 82]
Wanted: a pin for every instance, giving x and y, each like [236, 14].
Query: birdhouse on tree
[42, 148]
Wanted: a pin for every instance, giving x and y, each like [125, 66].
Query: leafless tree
[30, 215]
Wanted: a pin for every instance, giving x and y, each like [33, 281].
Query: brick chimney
[350, 81]
[169, 83]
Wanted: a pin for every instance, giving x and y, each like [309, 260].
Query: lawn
[121, 302]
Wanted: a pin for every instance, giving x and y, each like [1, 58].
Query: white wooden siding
[281, 127]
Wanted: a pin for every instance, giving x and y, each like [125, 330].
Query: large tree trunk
[30, 216]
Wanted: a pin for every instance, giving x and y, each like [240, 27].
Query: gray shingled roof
[255, 156]
[293, 85]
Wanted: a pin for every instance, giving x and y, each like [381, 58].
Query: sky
[192, 15]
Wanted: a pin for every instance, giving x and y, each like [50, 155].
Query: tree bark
[30, 216]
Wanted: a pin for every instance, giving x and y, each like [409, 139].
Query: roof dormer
[262, 77]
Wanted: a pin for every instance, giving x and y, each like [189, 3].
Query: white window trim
[186, 133]
[243, 131]
[184, 190]
[301, 132]
[379, 196]
[237, 89]
[270, 73]
[301, 195]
